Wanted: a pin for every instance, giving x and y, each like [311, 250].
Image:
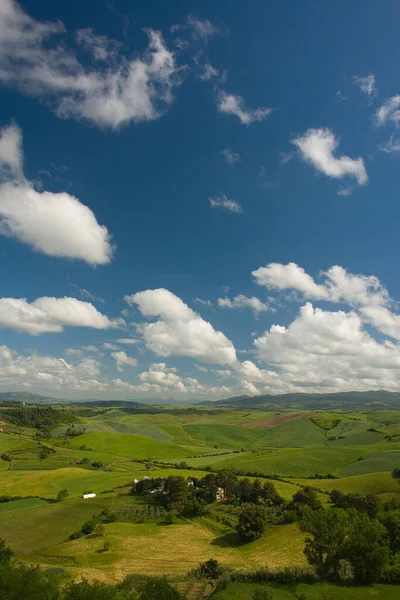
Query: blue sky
[215, 182]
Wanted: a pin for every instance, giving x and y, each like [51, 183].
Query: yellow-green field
[256, 443]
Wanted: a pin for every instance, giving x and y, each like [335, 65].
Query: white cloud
[209, 72]
[331, 351]
[122, 359]
[179, 330]
[389, 111]
[207, 303]
[366, 84]
[127, 341]
[125, 90]
[48, 373]
[50, 315]
[230, 156]
[241, 301]
[100, 47]
[221, 201]
[277, 276]
[318, 146]
[39, 218]
[391, 146]
[11, 156]
[201, 368]
[339, 284]
[202, 28]
[234, 105]
[109, 346]
[382, 319]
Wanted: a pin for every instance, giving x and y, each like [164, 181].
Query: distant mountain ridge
[369, 400]
[299, 401]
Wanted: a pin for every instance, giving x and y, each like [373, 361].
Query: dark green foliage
[158, 588]
[6, 553]
[307, 496]
[396, 473]
[252, 522]
[345, 535]
[94, 591]
[62, 494]
[27, 583]
[192, 508]
[211, 569]
[43, 418]
[96, 464]
[6, 457]
[176, 489]
[369, 504]
[89, 527]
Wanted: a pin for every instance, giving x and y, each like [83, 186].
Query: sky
[199, 199]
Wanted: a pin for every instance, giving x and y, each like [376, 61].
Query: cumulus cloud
[222, 201]
[122, 359]
[234, 105]
[179, 330]
[48, 373]
[127, 341]
[331, 351]
[366, 84]
[11, 156]
[276, 276]
[389, 111]
[239, 302]
[339, 284]
[318, 147]
[230, 156]
[38, 218]
[34, 59]
[51, 315]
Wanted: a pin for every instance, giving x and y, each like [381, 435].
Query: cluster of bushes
[38, 417]
[30, 583]
[94, 525]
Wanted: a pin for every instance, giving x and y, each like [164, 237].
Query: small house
[220, 494]
[85, 496]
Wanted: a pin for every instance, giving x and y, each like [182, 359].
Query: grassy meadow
[358, 450]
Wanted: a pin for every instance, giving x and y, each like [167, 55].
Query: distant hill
[303, 401]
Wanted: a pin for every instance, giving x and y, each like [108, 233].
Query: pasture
[294, 446]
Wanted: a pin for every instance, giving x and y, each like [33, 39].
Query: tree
[325, 549]
[340, 534]
[27, 583]
[96, 464]
[396, 473]
[6, 553]
[192, 508]
[176, 489]
[93, 591]
[252, 523]
[227, 479]
[270, 495]
[62, 494]
[89, 526]
[210, 569]
[158, 588]
[366, 548]
[149, 465]
[207, 488]
[307, 496]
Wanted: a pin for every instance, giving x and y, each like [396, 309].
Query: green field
[292, 445]
[318, 591]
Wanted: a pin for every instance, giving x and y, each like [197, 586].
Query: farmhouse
[85, 496]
